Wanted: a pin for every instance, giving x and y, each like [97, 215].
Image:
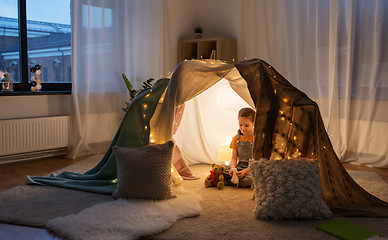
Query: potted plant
[198, 30]
[132, 92]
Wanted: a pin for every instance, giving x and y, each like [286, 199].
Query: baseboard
[33, 155]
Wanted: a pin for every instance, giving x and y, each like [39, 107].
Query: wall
[219, 18]
[13, 107]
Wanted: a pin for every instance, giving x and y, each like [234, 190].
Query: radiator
[31, 137]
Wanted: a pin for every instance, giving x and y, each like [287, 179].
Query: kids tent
[287, 121]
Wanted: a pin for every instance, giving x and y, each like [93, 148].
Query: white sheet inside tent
[215, 115]
[209, 120]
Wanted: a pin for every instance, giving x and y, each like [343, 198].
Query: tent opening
[209, 121]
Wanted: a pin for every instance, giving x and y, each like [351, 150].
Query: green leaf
[125, 109]
[146, 85]
[132, 94]
[127, 82]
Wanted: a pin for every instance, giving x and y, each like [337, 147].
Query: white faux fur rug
[127, 219]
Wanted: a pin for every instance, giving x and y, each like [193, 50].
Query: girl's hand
[231, 172]
[242, 173]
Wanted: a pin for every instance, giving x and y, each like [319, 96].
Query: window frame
[23, 87]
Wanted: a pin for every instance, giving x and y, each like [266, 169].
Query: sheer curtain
[110, 38]
[336, 52]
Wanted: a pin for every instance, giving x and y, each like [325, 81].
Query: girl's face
[245, 125]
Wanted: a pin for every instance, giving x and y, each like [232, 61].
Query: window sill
[29, 93]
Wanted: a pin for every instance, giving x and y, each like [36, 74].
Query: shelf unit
[225, 49]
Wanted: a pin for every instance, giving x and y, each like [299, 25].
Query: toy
[235, 177]
[7, 83]
[35, 80]
[215, 179]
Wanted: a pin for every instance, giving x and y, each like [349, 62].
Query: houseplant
[132, 92]
[198, 30]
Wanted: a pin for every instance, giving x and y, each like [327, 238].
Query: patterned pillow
[288, 189]
[144, 172]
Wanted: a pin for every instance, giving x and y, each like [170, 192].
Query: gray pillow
[288, 189]
[144, 172]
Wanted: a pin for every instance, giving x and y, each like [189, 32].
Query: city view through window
[48, 39]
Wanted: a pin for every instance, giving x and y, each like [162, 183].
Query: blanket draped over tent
[288, 124]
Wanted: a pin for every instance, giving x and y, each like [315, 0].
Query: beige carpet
[226, 213]
[372, 182]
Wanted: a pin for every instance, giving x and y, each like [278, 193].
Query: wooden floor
[13, 174]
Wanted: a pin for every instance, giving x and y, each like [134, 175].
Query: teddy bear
[215, 179]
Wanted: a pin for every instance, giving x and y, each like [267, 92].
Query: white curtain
[335, 51]
[110, 38]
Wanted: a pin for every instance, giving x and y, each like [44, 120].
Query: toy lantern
[7, 83]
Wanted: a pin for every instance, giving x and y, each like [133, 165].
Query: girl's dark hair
[248, 113]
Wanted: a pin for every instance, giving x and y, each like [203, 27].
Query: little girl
[242, 150]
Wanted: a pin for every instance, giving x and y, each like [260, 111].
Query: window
[36, 32]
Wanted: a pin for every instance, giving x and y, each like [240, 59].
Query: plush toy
[35, 80]
[215, 179]
[235, 179]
